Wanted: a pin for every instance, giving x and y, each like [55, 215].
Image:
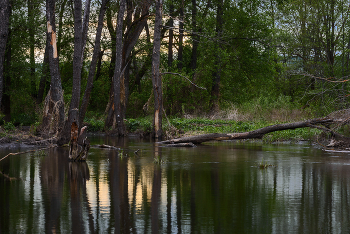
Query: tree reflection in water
[57, 172]
[206, 189]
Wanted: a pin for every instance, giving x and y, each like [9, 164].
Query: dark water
[214, 188]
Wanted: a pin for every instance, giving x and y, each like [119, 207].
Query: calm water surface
[213, 188]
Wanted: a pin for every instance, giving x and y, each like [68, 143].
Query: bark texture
[4, 27]
[53, 116]
[95, 58]
[171, 35]
[156, 76]
[118, 121]
[215, 93]
[79, 144]
[139, 12]
[80, 35]
[181, 37]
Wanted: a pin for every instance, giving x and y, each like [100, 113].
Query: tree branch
[173, 73]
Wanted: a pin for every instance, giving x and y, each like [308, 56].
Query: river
[213, 188]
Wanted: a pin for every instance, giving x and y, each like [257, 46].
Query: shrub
[8, 126]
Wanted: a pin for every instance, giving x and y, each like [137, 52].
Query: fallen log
[256, 134]
[103, 146]
[188, 144]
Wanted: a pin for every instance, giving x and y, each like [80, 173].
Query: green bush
[24, 119]
[141, 124]
[94, 122]
[8, 126]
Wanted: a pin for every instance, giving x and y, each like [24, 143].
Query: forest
[64, 61]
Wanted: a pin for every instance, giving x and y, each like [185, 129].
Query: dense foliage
[215, 54]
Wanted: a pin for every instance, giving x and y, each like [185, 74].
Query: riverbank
[182, 127]
[173, 128]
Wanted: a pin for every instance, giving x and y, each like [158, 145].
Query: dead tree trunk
[53, 116]
[79, 144]
[256, 134]
[156, 77]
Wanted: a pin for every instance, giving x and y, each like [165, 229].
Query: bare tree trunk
[95, 57]
[181, 36]
[215, 93]
[77, 62]
[53, 116]
[118, 121]
[171, 35]
[6, 97]
[4, 26]
[195, 38]
[80, 34]
[60, 25]
[113, 39]
[112, 33]
[156, 77]
[31, 46]
[99, 64]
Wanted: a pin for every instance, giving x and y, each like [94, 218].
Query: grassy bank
[252, 115]
[247, 117]
[177, 127]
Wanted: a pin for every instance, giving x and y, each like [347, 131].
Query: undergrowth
[246, 117]
[196, 126]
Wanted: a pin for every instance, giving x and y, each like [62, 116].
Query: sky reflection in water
[208, 189]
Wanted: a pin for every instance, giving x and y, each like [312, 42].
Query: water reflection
[52, 176]
[208, 189]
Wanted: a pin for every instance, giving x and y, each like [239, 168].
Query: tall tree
[60, 25]
[195, 37]
[53, 116]
[77, 60]
[171, 34]
[156, 76]
[4, 27]
[181, 37]
[6, 97]
[80, 34]
[31, 29]
[217, 73]
[118, 121]
[131, 37]
[95, 58]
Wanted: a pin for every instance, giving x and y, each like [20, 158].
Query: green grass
[196, 126]
[211, 126]
[95, 122]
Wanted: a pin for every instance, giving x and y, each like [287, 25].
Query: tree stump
[79, 145]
